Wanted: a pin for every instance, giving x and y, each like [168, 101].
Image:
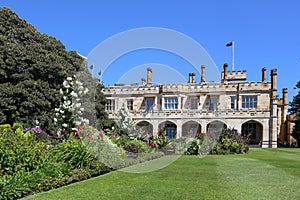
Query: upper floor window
[150, 104]
[110, 105]
[249, 102]
[171, 103]
[232, 102]
[194, 103]
[130, 104]
[213, 103]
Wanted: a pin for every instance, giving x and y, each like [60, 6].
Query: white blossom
[69, 78]
[74, 129]
[86, 90]
[65, 125]
[65, 83]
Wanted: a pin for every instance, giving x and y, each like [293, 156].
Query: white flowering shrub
[69, 113]
[125, 123]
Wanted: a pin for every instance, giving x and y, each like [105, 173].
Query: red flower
[12, 142]
[79, 128]
[100, 135]
[90, 137]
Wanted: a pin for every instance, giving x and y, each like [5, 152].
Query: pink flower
[100, 135]
[90, 137]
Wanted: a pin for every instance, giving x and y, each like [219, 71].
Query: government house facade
[252, 108]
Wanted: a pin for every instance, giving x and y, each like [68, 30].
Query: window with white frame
[171, 103]
[194, 103]
[213, 103]
[130, 104]
[249, 102]
[110, 105]
[232, 102]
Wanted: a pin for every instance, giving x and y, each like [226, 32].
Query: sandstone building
[184, 109]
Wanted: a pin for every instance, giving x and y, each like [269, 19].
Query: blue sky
[266, 32]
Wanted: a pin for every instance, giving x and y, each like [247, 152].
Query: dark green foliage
[230, 142]
[29, 165]
[201, 145]
[32, 69]
[74, 152]
[19, 153]
[295, 109]
[103, 122]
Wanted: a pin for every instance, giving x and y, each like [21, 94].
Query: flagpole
[232, 55]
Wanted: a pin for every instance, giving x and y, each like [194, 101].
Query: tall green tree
[295, 109]
[33, 67]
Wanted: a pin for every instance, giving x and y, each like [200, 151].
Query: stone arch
[190, 128]
[215, 127]
[144, 127]
[170, 128]
[254, 129]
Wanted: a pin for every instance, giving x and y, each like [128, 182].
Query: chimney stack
[264, 75]
[143, 81]
[274, 82]
[202, 73]
[225, 71]
[284, 105]
[192, 78]
[149, 76]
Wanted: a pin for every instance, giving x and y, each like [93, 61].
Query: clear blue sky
[266, 32]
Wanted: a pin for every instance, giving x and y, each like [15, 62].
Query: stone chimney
[202, 73]
[284, 105]
[225, 71]
[264, 75]
[143, 81]
[192, 78]
[149, 76]
[274, 82]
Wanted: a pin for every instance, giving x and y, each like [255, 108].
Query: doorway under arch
[190, 128]
[170, 128]
[255, 131]
[214, 128]
[144, 127]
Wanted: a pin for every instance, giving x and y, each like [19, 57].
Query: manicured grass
[261, 174]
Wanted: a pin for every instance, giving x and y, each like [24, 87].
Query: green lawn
[261, 174]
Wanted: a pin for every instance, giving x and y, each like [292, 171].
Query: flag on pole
[229, 44]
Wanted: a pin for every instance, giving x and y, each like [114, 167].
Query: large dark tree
[33, 67]
[295, 109]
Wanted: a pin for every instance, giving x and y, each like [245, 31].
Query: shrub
[141, 146]
[230, 142]
[19, 153]
[201, 145]
[74, 152]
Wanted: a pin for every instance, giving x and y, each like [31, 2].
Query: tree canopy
[33, 68]
[295, 109]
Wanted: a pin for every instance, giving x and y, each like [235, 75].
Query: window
[130, 104]
[213, 103]
[110, 105]
[249, 101]
[232, 101]
[194, 104]
[150, 104]
[171, 130]
[171, 103]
